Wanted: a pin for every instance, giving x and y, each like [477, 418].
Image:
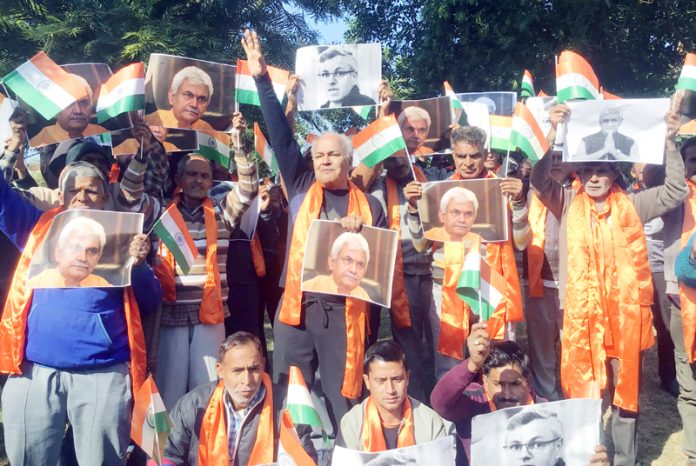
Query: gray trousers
[417, 340]
[38, 405]
[544, 324]
[623, 423]
[686, 377]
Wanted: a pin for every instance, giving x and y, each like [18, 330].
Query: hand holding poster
[86, 248]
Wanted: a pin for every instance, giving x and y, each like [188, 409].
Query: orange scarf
[687, 296]
[608, 298]
[372, 435]
[400, 307]
[14, 318]
[211, 311]
[356, 310]
[257, 255]
[454, 323]
[213, 445]
[535, 251]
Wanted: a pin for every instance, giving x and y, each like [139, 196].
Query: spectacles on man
[532, 447]
[335, 75]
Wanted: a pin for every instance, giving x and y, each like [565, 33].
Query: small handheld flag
[215, 146]
[501, 127]
[363, 111]
[527, 135]
[687, 77]
[479, 286]
[459, 113]
[245, 91]
[575, 78]
[381, 139]
[122, 92]
[290, 449]
[527, 88]
[263, 148]
[150, 425]
[172, 230]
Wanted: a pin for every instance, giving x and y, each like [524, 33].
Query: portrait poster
[358, 265]
[250, 217]
[539, 108]
[477, 115]
[440, 452]
[7, 107]
[172, 139]
[498, 103]
[79, 119]
[413, 115]
[448, 213]
[561, 432]
[336, 76]
[188, 93]
[624, 130]
[86, 248]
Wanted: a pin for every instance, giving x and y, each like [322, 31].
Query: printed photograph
[498, 103]
[425, 124]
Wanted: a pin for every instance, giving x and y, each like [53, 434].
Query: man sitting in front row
[494, 377]
[388, 418]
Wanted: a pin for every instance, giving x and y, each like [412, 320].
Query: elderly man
[313, 328]
[449, 315]
[615, 298]
[338, 75]
[415, 127]
[72, 122]
[348, 260]
[79, 248]
[608, 143]
[189, 96]
[69, 350]
[495, 376]
[388, 418]
[458, 207]
[229, 421]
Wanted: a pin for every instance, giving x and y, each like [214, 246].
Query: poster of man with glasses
[338, 76]
[357, 265]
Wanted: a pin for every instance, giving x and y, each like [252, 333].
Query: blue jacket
[74, 328]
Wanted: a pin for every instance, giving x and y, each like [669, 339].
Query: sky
[331, 32]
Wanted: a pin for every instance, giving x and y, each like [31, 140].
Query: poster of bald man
[624, 130]
[560, 433]
[188, 93]
[440, 452]
[357, 265]
[78, 119]
[336, 76]
[498, 103]
[425, 124]
[466, 210]
[86, 248]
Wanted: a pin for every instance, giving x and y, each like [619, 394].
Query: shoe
[671, 387]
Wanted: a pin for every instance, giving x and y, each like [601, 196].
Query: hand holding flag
[172, 230]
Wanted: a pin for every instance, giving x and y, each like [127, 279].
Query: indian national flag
[606, 95]
[290, 449]
[527, 88]
[122, 92]
[575, 78]
[363, 111]
[381, 139]
[687, 78]
[459, 113]
[299, 401]
[150, 424]
[215, 146]
[527, 135]
[245, 87]
[479, 286]
[172, 230]
[501, 128]
[44, 85]
[263, 148]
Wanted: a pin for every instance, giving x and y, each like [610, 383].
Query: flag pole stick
[480, 303]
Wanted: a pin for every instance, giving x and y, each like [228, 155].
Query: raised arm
[412, 192]
[239, 199]
[521, 231]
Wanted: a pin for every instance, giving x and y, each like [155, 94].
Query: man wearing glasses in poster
[338, 75]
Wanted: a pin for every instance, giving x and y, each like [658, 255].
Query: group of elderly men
[76, 355]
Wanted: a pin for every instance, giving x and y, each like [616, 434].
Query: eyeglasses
[532, 447]
[349, 261]
[335, 75]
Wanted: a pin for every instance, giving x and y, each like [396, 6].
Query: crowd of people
[75, 356]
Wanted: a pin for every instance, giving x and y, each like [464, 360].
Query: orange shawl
[608, 298]
[454, 323]
[213, 445]
[211, 311]
[372, 435]
[14, 318]
[535, 251]
[687, 296]
[356, 310]
[400, 307]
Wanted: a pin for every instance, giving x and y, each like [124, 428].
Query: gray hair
[75, 170]
[332, 52]
[414, 113]
[351, 238]
[83, 224]
[346, 144]
[83, 82]
[195, 76]
[610, 111]
[469, 134]
[459, 193]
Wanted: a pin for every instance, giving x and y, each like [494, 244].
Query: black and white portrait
[498, 103]
[338, 76]
[440, 452]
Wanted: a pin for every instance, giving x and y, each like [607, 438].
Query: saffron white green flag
[363, 111]
[501, 129]
[150, 425]
[122, 92]
[381, 139]
[687, 78]
[263, 148]
[299, 401]
[172, 230]
[44, 85]
[575, 78]
[459, 113]
[527, 88]
[479, 286]
[215, 146]
[290, 451]
[245, 91]
[527, 135]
